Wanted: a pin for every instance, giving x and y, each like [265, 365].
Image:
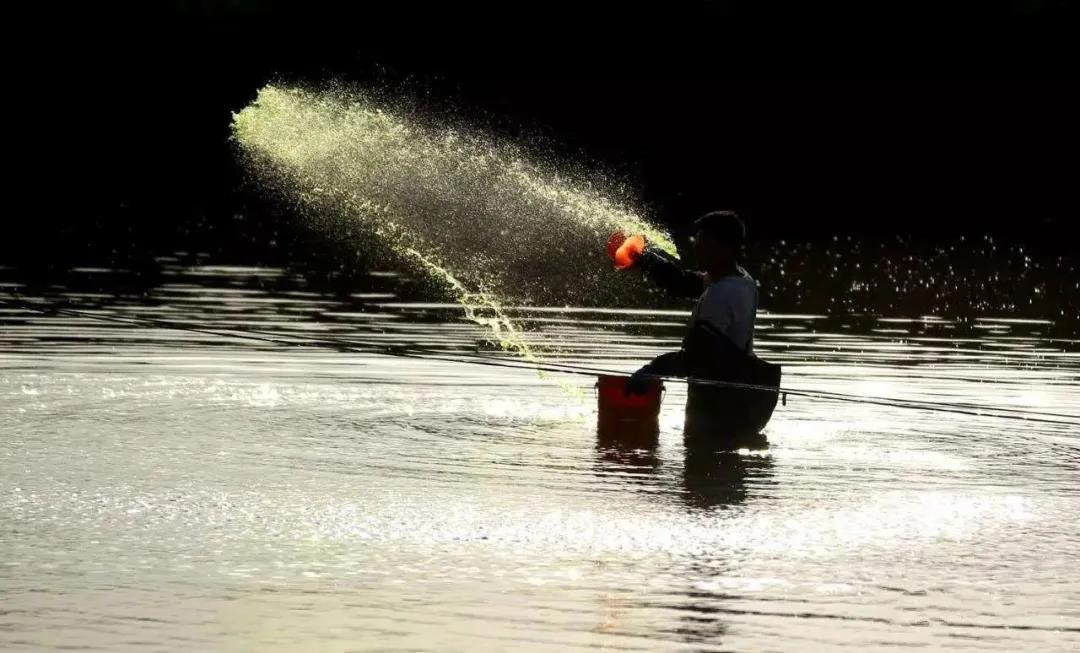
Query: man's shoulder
[735, 282]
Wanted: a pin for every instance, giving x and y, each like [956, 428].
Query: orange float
[624, 249]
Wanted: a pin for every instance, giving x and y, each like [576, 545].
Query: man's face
[700, 247]
[709, 251]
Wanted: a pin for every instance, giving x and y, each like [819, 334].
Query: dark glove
[646, 259]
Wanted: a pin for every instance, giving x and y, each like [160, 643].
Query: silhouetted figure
[720, 342]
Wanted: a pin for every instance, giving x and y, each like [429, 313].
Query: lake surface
[257, 485]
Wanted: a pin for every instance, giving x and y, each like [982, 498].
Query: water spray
[476, 215]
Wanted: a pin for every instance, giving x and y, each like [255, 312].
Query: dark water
[163, 489]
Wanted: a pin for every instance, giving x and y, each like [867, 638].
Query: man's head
[718, 237]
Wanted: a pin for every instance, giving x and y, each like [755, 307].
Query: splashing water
[472, 212]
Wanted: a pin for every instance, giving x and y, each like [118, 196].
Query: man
[717, 352]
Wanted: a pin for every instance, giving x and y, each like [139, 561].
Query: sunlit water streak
[166, 489]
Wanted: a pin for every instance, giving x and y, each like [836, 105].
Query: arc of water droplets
[472, 212]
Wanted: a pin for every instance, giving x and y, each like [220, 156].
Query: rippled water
[164, 489]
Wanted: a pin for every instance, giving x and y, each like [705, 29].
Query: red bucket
[617, 407]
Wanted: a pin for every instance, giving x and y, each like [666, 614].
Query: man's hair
[725, 226]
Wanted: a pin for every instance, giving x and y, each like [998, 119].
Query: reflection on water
[719, 479]
[710, 477]
[629, 451]
[269, 482]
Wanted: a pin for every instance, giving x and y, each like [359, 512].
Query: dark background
[814, 119]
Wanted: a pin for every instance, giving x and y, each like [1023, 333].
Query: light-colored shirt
[729, 305]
